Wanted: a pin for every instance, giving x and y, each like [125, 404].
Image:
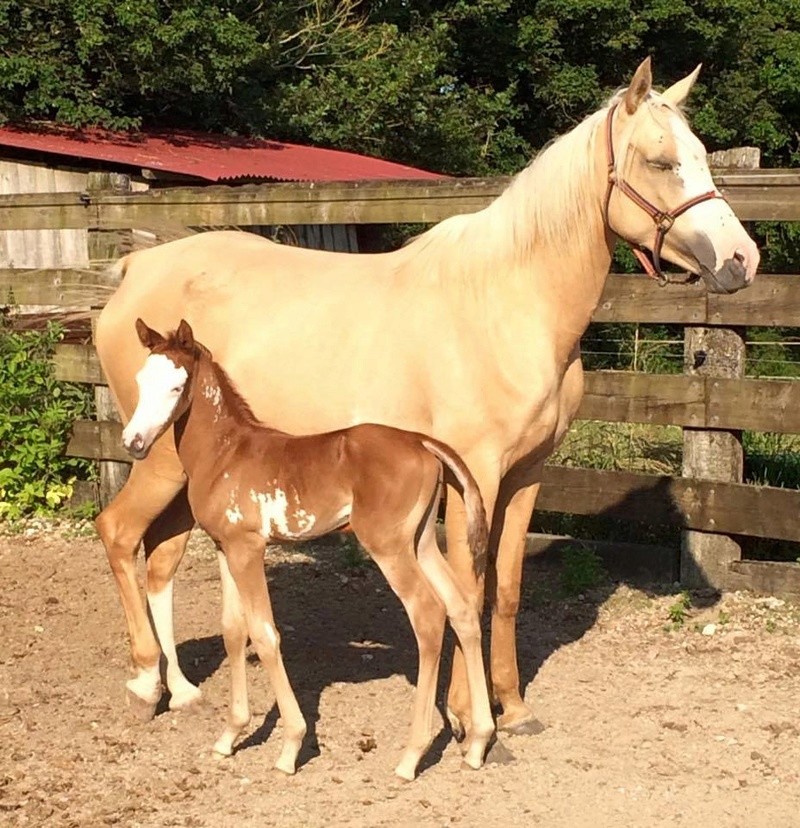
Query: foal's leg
[427, 616]
[460, 560]
[464, 617]
[164, 545]
[121, 526]
[246, 562]
[234, 631]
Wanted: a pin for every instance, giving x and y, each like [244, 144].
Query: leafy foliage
[36, 413]
[462, 86]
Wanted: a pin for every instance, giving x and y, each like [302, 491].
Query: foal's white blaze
[160, 384]
[713, 218]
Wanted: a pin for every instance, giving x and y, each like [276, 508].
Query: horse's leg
[164, 544]
[246, 562]
[234, 632]
[504, 590]
[121, 526]
[397, 560]
[460, 559]
[464, 616]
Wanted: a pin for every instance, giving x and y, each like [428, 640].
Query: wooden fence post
[104, 248]
[710, 454]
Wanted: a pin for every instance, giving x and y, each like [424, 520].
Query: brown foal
[248, 484]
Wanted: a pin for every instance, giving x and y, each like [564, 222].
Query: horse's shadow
[340, 622]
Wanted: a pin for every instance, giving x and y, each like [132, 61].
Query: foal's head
[164, 385]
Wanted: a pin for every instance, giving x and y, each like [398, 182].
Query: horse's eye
[664, 166]
[177, 389]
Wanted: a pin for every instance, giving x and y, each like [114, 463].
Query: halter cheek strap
[663, 221]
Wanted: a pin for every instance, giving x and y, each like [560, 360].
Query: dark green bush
[36, 413]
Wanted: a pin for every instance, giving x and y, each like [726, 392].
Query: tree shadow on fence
[341, 623]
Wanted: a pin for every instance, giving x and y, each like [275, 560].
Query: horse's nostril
[739, 256]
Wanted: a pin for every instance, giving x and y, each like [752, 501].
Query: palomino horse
[470, 333]
[248, 484]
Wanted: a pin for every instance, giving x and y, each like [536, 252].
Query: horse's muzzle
[732, 276]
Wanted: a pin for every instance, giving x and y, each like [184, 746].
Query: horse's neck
[209, 422]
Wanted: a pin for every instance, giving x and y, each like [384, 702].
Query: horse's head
[661, 196]
[164, 386]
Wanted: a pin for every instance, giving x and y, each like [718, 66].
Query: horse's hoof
[142, 710]
[186, 699]
[529, 726]
[285, 766]
[499, 754]
[404, 773]
[465, 765]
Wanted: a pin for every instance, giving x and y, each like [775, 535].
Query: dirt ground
[648, 722]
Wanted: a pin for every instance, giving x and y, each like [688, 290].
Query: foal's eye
[177, 389]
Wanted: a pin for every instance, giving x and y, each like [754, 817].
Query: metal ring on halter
[663, 221]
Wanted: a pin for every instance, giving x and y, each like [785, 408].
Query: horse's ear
[640, 87]
[184, 336]
[147, 336]
[679, 92]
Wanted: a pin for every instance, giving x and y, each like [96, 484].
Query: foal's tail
[477, 526]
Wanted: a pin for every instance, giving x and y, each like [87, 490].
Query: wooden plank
[773, 196]
[104, 246]
[637, 298]
[54, 286]
[772, 300]
[612, 396]
[97, 441]
[769, 577]
[631, 397]
[733, 508]
[77, 363]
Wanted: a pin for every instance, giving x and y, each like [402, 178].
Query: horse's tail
[477, 525]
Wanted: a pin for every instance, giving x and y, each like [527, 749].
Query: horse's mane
[550, 202]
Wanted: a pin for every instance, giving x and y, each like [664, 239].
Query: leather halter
[663, 221]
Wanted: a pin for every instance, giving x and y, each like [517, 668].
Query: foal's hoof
[142, 710]
[186, 699]
[455, 725]
[529, 726]
[499, 754]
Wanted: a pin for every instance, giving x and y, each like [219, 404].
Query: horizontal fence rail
[754, 195]
[773, 300]
[612, 396]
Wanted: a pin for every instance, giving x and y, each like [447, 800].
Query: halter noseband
[663, 221]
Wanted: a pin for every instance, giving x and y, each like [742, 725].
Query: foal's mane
[231, 394]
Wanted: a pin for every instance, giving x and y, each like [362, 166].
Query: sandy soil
[648, 722]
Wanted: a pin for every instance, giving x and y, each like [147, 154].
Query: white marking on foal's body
[274, 508]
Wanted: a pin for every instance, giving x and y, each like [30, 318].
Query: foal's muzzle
[135, 446]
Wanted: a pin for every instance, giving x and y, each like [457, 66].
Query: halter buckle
[664, 221]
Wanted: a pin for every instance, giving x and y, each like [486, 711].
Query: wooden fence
[693, 401]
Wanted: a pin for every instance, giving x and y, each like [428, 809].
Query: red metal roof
[210, 157]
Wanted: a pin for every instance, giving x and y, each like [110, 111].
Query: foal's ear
[640, 87]
[147, 336]
[679, 92]
[184, 336]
